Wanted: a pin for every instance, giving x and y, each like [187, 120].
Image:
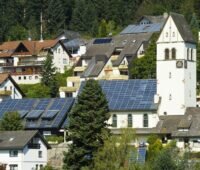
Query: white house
[23, 150]
[9, 88]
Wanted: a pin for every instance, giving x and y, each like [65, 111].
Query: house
[9, 88]
[23, 150]
[45, 115]
[24, 59]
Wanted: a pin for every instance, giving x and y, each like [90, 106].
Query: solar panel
[102, 40]
[141, 155]
[34, 114]
[50, 114]
[129, 94]
[34, 111]
[133, 29]
[22, 113]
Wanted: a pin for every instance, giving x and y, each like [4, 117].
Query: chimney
[165, 15]
[29, 36]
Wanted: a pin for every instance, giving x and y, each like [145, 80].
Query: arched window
[166, 54]
[173, 53]
[145, 120]
[188, 54]
[170, 97]
[191, 54]
[114, 121]
[170, 75]
[130, 120]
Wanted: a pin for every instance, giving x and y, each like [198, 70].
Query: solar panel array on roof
[128, 95]
[141, 155]
[133, 29]
[102, 40]
[39, 113]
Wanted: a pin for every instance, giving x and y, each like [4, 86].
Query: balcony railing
[29, 63]
[6, 64]
[34, 146]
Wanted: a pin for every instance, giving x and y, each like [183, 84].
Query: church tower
[176, 67]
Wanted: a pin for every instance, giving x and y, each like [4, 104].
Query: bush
[35, 90]
[55, 139]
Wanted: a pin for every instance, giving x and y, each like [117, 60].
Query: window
[24, 77]
[13, 153]
[114, 121]
[36, 77]
[166, 54]
[188, 54]
[166, 34]
[30, 77]
[13, 167]
[173, 34]
[191, 54]
[173, 53]
[170, 97]
[64, 61]
[5, 88]
[170, 75]
[130, 120]
[145, 120]
[19, 78]
[59, 50]
[39, 154]
[11, 88]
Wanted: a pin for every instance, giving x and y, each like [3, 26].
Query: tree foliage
[115, 153]
[49, 76]
[11, 121]
[145, 67]
[87, 126]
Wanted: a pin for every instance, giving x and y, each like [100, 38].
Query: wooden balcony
[25, 73]
[5, 92]
[6, 64]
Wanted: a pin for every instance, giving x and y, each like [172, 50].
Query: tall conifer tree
[87, 126]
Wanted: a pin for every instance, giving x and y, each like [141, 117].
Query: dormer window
[166, 54]
[173, 53]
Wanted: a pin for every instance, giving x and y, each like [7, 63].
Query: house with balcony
[9, 88]
[24, 59]
[21, 150]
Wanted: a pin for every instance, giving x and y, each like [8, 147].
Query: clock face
[179, 64]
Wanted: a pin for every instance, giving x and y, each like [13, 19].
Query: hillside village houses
[109, 58]
[165, 106]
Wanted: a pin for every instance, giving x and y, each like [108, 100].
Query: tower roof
[183, 27]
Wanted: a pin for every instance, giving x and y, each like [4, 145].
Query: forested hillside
[21, 18]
